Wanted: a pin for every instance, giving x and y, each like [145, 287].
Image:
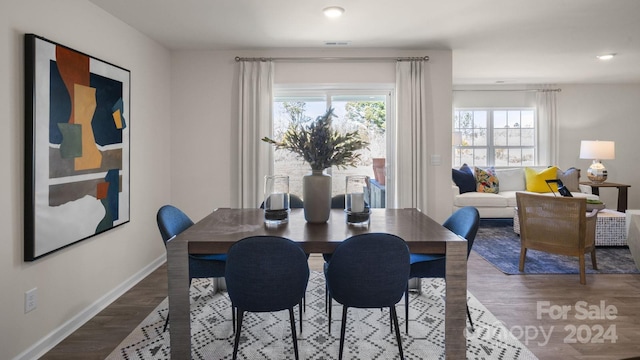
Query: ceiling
[492, 41]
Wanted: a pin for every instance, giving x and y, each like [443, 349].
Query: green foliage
[372, 114]
[320, 145]
[296, 110]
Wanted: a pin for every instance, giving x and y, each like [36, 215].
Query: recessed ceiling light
[606, 56]
[333, 12]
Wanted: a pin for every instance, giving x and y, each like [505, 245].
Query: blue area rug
[498, 244]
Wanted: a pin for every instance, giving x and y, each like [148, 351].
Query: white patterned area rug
[368, 334]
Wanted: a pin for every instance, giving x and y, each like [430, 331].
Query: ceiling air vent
[337, 43]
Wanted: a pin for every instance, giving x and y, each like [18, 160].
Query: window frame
[282, 91]
[490, 146]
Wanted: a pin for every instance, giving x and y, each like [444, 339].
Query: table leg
[456, 301]
[622, 198]
[179, 304]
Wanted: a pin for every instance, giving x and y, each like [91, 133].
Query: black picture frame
[77, 146]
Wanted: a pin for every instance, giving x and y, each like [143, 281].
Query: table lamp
[597, 150]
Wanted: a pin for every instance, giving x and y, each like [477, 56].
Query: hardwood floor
[513, 299]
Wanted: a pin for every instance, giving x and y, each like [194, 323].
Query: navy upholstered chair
[266, 274]
[337, 201]
[464, 222]
[171, 222]
[295, 202]
[368, 271]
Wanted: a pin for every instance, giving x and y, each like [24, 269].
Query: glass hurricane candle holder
[276, 199]
[357, 200]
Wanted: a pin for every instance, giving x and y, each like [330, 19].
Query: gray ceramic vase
[316, 193]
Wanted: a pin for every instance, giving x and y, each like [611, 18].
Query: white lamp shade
[600, 150]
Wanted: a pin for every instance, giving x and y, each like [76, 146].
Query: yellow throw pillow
[536, 180]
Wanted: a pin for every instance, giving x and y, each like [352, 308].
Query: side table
[622, 192]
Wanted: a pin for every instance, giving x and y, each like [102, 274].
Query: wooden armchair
[558, 225]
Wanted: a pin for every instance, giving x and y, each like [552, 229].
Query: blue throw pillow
[464, 179]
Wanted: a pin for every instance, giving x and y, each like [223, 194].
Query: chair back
[266, 273]
[337, 202]
[555, 224]
[171, 222]
[369, 271]
[464, 222]
[295, 202]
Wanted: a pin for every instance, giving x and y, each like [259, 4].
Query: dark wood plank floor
[513, 299]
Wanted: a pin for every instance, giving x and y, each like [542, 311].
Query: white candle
[357, 202]
[276, 201]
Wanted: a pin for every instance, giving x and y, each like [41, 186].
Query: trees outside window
[494, 137]
[361, 111]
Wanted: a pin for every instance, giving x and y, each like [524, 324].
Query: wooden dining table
[223, 227]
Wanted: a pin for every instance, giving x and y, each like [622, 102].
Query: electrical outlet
[30, 300]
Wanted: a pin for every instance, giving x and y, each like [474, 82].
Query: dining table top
[223, 227]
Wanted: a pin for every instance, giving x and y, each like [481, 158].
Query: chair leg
[233, 317]
[390, 322]
[343, 327]
[237, 339]
[523, 255]
[583, 277]
[300, 311]
[293, 332]
[394, 316]
[406, 310]
[166, 322]
[470, 321]
[330, 301]
[593, 259]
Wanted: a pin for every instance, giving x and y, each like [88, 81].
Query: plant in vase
[322, 147]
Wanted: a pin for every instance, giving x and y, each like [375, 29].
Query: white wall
[204, 110]
[603, 112]
[76, 281]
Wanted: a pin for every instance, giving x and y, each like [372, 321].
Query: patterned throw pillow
[536, 180]
[464, 179]
[486, 180]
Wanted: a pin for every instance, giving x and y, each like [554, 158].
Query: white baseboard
[56, 336]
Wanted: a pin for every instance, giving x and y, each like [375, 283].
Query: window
[364, 111]
[494, 137]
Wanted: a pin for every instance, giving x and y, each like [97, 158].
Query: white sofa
[511, 180]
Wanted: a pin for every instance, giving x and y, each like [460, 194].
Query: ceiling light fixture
[606, 56]
[333, 12]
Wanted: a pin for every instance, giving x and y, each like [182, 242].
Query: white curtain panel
[548, 142]
[255, 122]
[412, 158]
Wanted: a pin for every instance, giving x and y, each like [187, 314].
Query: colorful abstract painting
[77, 146]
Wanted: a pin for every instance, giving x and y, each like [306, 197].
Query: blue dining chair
[173, 221]
[368, 271]
[295, 202]
[464, 222]
[266, 274]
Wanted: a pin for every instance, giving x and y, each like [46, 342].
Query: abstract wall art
[76, 146]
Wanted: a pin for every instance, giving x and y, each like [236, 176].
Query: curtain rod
[417, 58]
[525, 90]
